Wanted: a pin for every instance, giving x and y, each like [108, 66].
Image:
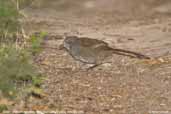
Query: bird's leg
[92, 67]
[83, 66]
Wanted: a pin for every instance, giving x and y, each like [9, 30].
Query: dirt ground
[124, 86]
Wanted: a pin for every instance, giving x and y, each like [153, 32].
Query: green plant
[9, 16]
[2, 108]
[35, 42]
[16, 64]
[16, 69]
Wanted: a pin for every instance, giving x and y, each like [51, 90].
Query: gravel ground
[123, 86]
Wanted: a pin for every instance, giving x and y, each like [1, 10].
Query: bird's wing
[88, 42]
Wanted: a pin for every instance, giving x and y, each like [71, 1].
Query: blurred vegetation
[16, 63]
[9, 16]
[24, 3]
[2, 108]
[36, 40]
[16, 70]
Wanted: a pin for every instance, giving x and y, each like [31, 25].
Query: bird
[94, 51]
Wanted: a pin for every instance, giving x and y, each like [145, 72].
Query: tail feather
[130, 54]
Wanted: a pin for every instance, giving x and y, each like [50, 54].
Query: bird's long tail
[130, 53]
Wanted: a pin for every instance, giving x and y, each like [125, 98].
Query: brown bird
[93, 51]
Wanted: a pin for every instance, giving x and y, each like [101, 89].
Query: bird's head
[70, 41]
